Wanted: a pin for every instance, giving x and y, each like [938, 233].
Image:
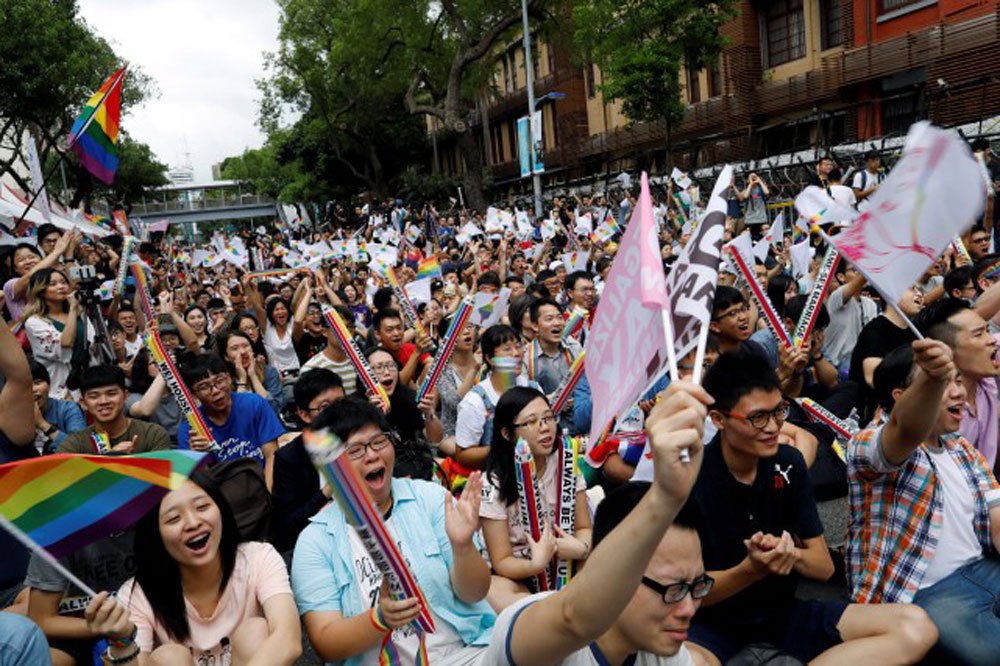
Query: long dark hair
[500, 459]
[157, 572]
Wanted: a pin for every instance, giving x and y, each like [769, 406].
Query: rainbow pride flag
[95, 133]
[429, 268]
[64, 502]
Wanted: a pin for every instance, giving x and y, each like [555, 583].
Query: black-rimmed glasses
[675, 592]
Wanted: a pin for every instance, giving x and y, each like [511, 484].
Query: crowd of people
[778, 540]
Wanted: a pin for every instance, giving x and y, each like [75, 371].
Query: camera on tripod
[87, 283]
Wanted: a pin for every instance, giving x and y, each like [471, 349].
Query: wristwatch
[50, 431]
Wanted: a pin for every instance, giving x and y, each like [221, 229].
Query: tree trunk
[472, 175]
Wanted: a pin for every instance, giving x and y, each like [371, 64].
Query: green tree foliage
[365, 74]
[641, 47]
[51, 61]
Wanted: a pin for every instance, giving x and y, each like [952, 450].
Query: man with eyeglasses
[297, 492]
[731, 322]
[761, 533]
[634, 601]
[243, 425]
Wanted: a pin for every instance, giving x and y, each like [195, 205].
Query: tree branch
[461, 27]
[415, 108]
[489, 38]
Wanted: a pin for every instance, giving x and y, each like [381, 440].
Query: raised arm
[917, 409]
[21, 286]
[549, 630]
[16, 402]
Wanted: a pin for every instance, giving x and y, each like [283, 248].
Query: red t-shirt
[406, 351]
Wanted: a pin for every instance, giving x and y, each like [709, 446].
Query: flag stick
[62, 155]
[30, 544]
[668, 335]
[699, 355]
[889, 301]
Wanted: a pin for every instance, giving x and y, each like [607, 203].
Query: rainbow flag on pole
[429, 268]
[63, 502]
[95, 133]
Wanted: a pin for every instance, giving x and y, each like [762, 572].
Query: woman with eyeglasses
[524, 413]
[348, 614]
[409, 418]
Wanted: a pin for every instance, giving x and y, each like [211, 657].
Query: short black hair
[795, 306]
[382, 298]
[620, 502]
[352, 413]
[894, 371]
[511, 279]
[726, 297]
[494, 337]
[544, 275]
[313, 382]
[383, 314]
[216, 303]
[735, 374]
[489, 278]
[957, 278]
[39, 373]
[932, 320]
[576, 276]
[46, 229]
[195, 368]
[873, 155]
[101, 376]
[537, 305]
[835, 174]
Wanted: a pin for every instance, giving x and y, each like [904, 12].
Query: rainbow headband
[815, 301]
[327, 453]
[354, 354]
[565, 390]
[527, 492]
[763, 302]
[185, 401]
[448, 343]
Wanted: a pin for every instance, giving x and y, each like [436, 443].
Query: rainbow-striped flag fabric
[95, 133]
[64, 501]
[429, 268]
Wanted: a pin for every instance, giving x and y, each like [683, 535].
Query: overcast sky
[204, 56]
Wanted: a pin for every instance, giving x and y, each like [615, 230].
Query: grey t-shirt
[847, 318]
[498, 654]
[102, 565]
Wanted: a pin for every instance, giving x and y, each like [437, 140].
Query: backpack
[242, 483]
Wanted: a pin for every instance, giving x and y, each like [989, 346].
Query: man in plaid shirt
[925, 517]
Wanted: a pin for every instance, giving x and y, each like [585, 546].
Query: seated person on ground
[761, 533]
[339, 590]
[925, 506]
[524, 413]
[199, 595]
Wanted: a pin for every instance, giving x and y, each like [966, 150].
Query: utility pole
[536, 179]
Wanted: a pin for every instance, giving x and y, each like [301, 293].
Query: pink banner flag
[625, 347]
[932, 195]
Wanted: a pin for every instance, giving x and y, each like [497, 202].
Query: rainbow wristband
[378, 620]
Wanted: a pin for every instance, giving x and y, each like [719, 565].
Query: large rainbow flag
[64, 501]
[95, 132]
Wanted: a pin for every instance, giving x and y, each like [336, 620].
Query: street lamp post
[536, 178]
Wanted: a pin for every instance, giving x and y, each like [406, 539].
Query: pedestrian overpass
[188, 205]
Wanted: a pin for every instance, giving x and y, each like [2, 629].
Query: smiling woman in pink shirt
[199, 595]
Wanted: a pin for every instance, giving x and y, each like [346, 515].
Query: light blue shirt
[64, 415]
[323, 574]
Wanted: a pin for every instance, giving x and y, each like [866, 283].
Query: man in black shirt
[761, 532]
[297, 493]
[881, 335]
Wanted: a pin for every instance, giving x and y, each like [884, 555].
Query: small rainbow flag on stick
[429, 268]
[57, 504]
[95, 133]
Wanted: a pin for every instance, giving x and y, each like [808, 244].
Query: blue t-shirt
[250, 425]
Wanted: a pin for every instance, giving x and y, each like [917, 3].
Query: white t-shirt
[957, 542]
[444, 642]
[863, 180]
[844, 196]
[281, 351]
[471, 420]
[498, 653]
[847, 318]
[344, 370]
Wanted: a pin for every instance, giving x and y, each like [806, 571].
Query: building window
[550, 53]
[588, 79]
[900, 111]
[507, 84]
[830, 30]
[693, 86]
[715, 80]
[784, 32]
[885, 6]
